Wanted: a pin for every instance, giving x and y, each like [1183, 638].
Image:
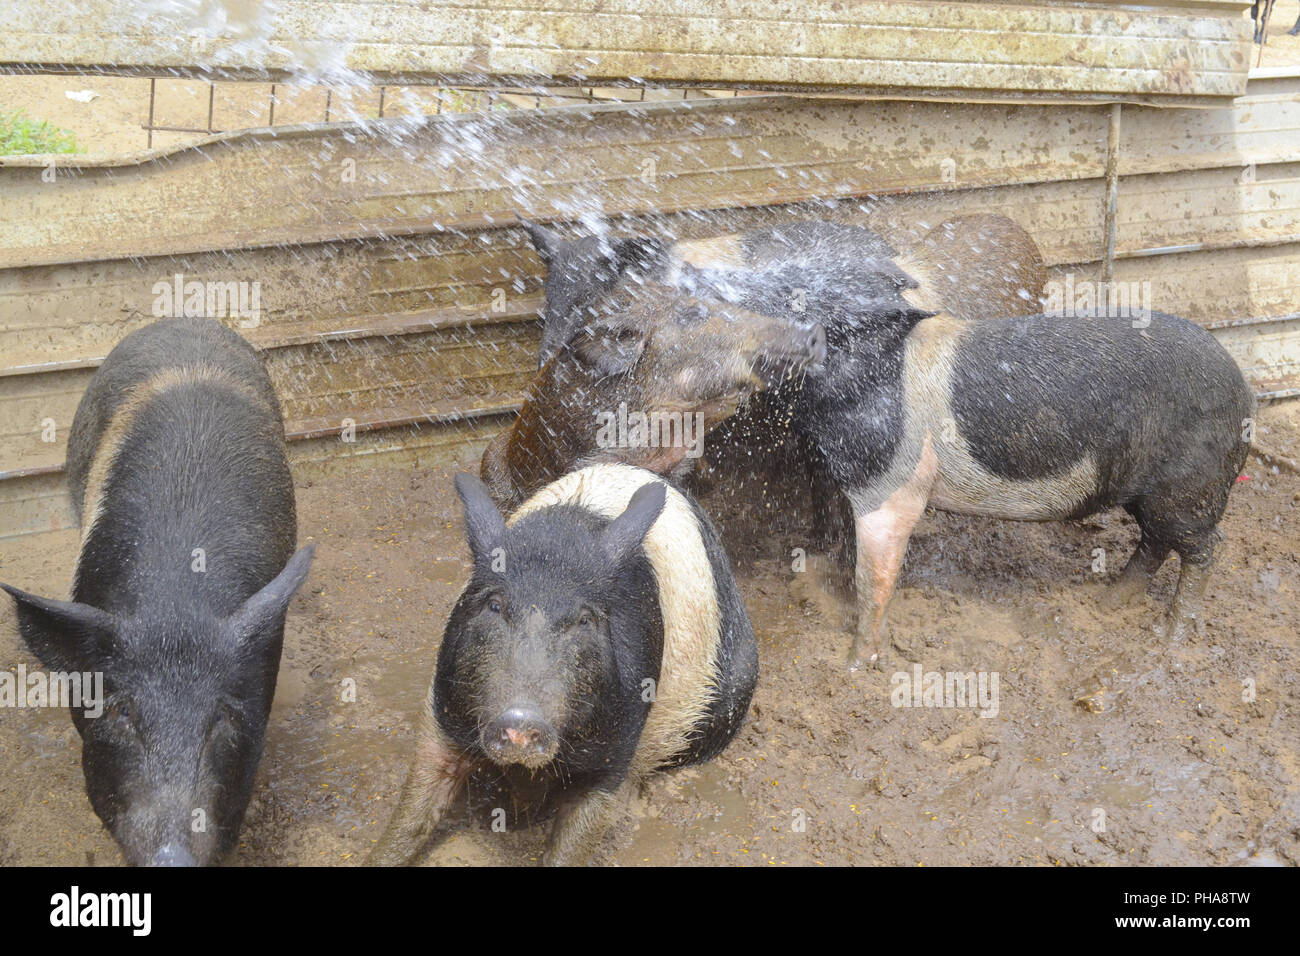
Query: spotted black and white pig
[177, 471]
[1040, 418]
[601, 637]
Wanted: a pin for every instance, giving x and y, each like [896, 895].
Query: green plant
[20, 135]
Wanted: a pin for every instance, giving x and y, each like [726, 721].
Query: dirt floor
[1110, 746]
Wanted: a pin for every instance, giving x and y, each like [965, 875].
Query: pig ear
[545, 241]
[556, 332]
[892, 309]
[64, 635]
[267, 606]
[609, 351]
[626, 532]
[484, 526]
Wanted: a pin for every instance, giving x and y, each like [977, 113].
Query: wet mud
[1110, 745]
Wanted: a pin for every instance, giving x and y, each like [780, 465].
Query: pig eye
[587, 619]
[122, 711]
[493, 604]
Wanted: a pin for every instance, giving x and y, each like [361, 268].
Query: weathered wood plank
[1183, 52]
[315, 184]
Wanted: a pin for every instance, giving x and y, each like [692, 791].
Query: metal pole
[1112, 193]
[153, 85]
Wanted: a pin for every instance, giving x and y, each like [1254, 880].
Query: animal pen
[398, 295]
[371, 245]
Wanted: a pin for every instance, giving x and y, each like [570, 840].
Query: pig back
[166, 345]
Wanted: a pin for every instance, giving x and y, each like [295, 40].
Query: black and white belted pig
[1041, 418]
[177, 471]
[601, 637]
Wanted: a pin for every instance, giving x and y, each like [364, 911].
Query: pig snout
[520, 735]
[172, 854]
[803, 346]
[817, 345]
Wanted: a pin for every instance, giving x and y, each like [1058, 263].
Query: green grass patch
[20, 135]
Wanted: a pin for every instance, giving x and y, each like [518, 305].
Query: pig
[976, 266]
[177, 472]
[681, 362]
[980, 266]
[581, 273]
[1043, 417]
[601, 637]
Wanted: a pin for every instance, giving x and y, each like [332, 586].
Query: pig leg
[578, 833]
[1185, 616]
[438, 770]
[828, 527]
[1137, 574]
[882, 537]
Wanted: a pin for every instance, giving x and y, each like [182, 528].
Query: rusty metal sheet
[70, 315]
[1210, 208]
[1186, 52]
[1221, 285]
[423, 337]
[1261, 127]
[36, 503]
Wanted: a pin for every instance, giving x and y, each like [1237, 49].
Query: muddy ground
[1111, 745]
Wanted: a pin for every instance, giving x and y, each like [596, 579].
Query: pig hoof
[1182, 628]
[865, 662]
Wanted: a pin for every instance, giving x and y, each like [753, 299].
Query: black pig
[176, 467]
[600, 638]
